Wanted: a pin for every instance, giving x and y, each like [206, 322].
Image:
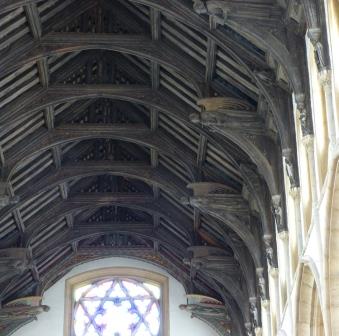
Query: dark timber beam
[85, 201]
[81, 231]
[38, 100]
[141, 253]
[135, 133]
[160, 177]
[60, 93]
[137, 45]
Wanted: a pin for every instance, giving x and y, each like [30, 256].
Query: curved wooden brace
[82, 255]
[137, 45]
[56, 94]
[148, 255]
[276, 99]
[137, 134]
[137, 170]
[85, 201]
[236, 313]
[240, 229]
[273, 45]
[257, 190]
[62, 93]
[242, 255]
[76, 234]
[257, 156]
[230, 285]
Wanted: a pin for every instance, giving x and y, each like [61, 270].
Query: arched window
[116, 302]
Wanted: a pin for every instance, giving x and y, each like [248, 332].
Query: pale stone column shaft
[266, 316]
[308, 142]
[283, 236]
[326, 83]
[274, 275]
[295, 194]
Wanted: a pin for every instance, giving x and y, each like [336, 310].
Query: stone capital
[295, 193]
[314, 35]
[308, 141]
[265, 304]
[325, 77]
[283, 235]
[274, 272]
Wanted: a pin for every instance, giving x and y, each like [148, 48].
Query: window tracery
[117, 306]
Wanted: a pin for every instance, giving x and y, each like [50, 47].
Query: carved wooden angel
[22, 309]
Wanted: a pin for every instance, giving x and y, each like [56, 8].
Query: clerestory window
[132, 303]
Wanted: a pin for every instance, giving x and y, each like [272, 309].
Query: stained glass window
[117, 307]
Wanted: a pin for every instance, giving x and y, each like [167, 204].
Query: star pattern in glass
[117, 307]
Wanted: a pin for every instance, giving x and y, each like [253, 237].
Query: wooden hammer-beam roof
[98, 139]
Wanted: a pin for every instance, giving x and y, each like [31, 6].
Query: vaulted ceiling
[152, 129]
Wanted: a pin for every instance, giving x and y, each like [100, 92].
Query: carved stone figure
[211, 263]
[209, 310]
[319, 53]
[205, 309]
[229, 113]
[262, 287]
[269, 252]
[277, 212]
[305, 116]
[249, 330]
[254, 314]
[319, 56]
[21, 312]
[290, 172]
